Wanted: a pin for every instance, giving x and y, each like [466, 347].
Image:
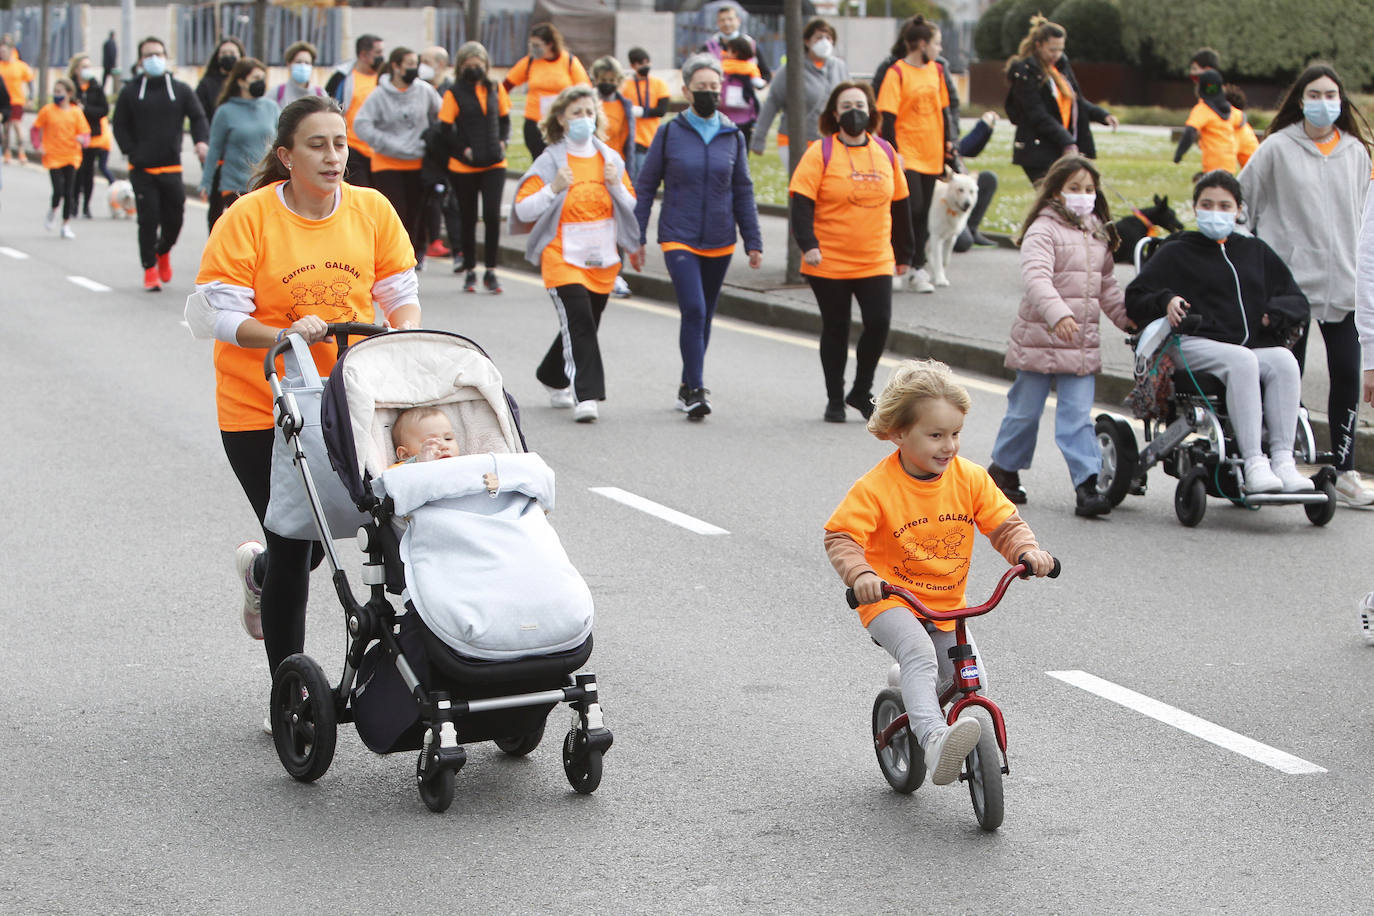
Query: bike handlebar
[340, 332]
[1020, 570]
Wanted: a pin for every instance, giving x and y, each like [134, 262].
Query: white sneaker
[1287, 472]
[1351, 491]
[251, 618]
[560, 397]
[621, 289]
[50, 220]
[67, 232]
[920, 281]
[1259, 478]
[585, 412]
[1365, 606]
[947, 748]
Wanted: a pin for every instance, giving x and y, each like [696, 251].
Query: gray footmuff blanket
[484, 568]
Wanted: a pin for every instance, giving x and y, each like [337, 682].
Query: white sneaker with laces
[585, 412]
[621, 289]
[1351, 491]
[1259, 478]
[560, 397]
[67, 232]
[946, 749]
[920, 281]
[251, 617]
[1284, 468]
[1366, 611]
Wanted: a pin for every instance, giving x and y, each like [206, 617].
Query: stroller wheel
[581, 763]
[901, 761]
[303, 722]
[1116, 440]
[520, 745]
[436, 791]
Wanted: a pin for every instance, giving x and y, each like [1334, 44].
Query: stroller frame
[306, 709]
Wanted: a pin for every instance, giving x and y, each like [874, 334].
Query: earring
[288, 166]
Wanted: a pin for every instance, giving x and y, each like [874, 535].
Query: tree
[1094, 30]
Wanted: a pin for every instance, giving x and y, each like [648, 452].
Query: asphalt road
[738, 684]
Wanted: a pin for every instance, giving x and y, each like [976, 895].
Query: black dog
[1135, 227]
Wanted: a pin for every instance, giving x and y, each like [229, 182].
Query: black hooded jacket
[1231, 285]
[1040, 134]
[148, 118]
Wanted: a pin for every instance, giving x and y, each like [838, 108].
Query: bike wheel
[903, 765]
[1116, 440]
[303, 723]
[983, 770]
[1190, 497]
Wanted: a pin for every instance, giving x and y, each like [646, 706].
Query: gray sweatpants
[1262, 385]
[924, 659]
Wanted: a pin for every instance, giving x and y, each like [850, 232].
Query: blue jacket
[701, 185]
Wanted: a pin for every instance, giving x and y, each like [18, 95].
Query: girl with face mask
[1068, 276]
[1305, 189]
[548, 69]
[241, 133]
[576, 204]
[64, 133]
[211, 86]
[650, 95]
[821, 73]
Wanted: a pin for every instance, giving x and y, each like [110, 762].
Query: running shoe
[1351, 491]
[946, 749]
[1366, 610]
[697, 404]
[67, 232]
[437, 249]
[164, 267]
[151, 282]
[585, 412]
[470, 284]
[561, 397]
[621, 289]
[490, 282]
[251, 616]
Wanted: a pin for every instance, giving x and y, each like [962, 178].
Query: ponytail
[271, 169]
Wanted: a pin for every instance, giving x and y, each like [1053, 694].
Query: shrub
[987, 34]
[1161, 35]
[1016, 22]
[1094, 28]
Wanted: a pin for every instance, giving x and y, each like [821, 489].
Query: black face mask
[607, 90]
[643, 71]
[257, 88]
[473, 74]
[854, 122]
[705, 103]
[377, 62]
[227, 61]
[410, 75]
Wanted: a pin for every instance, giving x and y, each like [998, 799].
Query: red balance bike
[899, 754]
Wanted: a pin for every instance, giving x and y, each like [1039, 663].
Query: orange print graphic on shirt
[921, 551]
[326, 298]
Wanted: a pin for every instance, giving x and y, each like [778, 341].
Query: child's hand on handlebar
[1040, 562]
[868, 588]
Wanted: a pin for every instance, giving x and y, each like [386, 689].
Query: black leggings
[405, 188]
[466, 186]
[875, 306]
[287, 562]
[534, 140]
[358, 171]
[921, 188]
[64, 190]
[1343, 392]
[574, 357]
[91, 159]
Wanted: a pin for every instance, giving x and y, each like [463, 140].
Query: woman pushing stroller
[1250, 310]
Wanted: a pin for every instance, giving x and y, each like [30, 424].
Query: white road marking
[1184, 721]
[14, 253]
[680, 519]
[89, 284]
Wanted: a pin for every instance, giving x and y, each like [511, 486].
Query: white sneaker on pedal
[561, 397]
[1259, 478]
[251, 617]
[946, 749]
[1284, 468]
[1351, 491]
[585, 412]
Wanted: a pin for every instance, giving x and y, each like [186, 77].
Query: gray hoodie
[1308, 208]
[392, 121]
[816, 85]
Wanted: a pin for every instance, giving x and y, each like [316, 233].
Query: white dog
[950, 206]
[122, 200]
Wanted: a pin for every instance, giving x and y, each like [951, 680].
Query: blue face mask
[155, 66]
[300, 73]
[580, 129]
[1321, 113]
[1216, 224]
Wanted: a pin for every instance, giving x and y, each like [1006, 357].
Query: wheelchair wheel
[983, 770]
[581, 764]
[303, 722]
[1190, 497]
[1116, 439]
[1321, 513]
[903, 765]
[437, 791]
[520, 745]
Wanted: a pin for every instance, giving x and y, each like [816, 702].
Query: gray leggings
[1262, 384]
[924, 659]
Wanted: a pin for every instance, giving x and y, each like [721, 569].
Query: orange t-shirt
[1217, 137]
[1246, 141]
[615, 129]
[17, 75]
[448, 113]
[588, 201]
[363, 86]
[546, 78]
[61, 127]
[853, 208]
[919, 533]
[646, 93]
[295, 267]
[1327, 146]
[918, 97]
[102, 141]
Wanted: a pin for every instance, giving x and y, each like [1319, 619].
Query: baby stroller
[480, 651]
[1187, 432]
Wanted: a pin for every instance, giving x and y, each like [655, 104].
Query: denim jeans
[1073, 423]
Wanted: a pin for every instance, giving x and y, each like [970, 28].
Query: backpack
[828, 146]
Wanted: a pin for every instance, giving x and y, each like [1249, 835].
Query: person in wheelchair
[1250, 309]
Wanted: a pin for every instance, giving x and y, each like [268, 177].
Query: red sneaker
[164, 267]
[437, 249]
[151, 282]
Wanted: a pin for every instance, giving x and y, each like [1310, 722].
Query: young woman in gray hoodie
[1305, 189]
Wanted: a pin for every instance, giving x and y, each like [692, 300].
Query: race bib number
[590, 244]
[734, 95]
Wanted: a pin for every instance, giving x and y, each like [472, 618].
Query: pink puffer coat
[1066, 270]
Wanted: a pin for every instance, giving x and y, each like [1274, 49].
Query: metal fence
[25, 24]
[504, 34]
[200, 28]
[691, 30]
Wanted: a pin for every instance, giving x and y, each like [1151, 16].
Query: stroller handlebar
[340, 332]
[1020, 570]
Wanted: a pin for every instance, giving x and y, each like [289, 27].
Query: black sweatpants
[405, 188]
[63, 190]
[875, 307]
[574, 358]
[921, 188]
[285, 567]
[466, 188]
[534, 140]
[91, 159]
[358, 171]
[1343, 393]
[987, 187]
[161, 210]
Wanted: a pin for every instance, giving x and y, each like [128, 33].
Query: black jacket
[1201, 271]
[94, 104]
[209, 88]
[147, 121]
[1040, 133]
[4, 103]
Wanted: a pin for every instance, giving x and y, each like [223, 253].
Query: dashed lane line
[658, 510]
[13, 253]
[1193, 725]
[88, 283]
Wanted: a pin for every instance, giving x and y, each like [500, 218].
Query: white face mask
[426, 73]
[822, 48]
[1080, 204]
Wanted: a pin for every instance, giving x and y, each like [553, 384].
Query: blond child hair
[914, 383]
